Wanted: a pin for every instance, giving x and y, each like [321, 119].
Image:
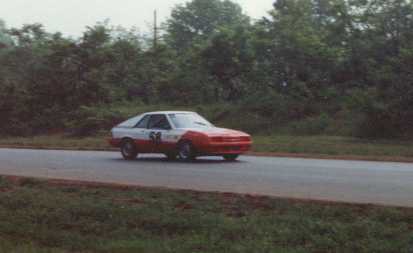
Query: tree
[308, 58]
[198, 20]
[5, 39]
[125, 61]
[295, 56]
[390, 61]
[229, 58]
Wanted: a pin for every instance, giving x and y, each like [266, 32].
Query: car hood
[216, 131]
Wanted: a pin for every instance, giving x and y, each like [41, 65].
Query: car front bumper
[224, 148]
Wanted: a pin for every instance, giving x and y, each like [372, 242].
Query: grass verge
[60, 216]
[275, 145]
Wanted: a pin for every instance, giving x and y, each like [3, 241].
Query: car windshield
[189, 120]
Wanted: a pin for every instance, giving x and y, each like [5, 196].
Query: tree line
[307, 59]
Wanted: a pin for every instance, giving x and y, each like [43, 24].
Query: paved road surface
[350, 181]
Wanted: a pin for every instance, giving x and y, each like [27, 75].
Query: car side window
[159, 122]
[143, 123]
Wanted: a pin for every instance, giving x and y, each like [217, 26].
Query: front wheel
[128, 150]
[186, 151]
[231, 157]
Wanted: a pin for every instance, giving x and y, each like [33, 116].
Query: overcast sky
[71, 16]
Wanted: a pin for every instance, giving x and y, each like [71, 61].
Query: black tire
[186, 151]
[128, 149]
[231, 157]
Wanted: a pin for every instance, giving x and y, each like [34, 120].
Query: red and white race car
[183, 134]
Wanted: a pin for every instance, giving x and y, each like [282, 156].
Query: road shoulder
[400, 159]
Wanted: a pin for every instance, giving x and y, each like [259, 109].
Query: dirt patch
[227, 198]
[136, 201]
[184, 206]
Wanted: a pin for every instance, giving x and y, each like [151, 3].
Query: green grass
[311, 145]
[57, 141]
[333, 145]
[36, 216]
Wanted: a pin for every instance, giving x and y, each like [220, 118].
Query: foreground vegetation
[39, 216]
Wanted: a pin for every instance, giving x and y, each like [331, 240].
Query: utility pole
[155, 30]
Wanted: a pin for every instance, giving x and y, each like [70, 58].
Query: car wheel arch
[182, 141]
[127, 138]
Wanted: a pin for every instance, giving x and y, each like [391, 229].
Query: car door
[158, 128]
[141, 135]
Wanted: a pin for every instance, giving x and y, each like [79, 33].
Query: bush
[15, 127]
[372, 118]
[377, 122]
[236, 116]
[312, 125]
[90, 120]
[268, 103]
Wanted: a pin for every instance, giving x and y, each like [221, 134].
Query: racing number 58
[156, 137]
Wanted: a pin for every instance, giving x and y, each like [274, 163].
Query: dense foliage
[310, 62]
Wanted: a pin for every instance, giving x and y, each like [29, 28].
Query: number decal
[156, 138]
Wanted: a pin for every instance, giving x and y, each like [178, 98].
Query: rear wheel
[128, 149]
[231, 157]
[186, 151]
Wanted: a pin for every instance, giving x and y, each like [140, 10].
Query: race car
[185, 135]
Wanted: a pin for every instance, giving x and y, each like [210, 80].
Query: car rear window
[144, 122]
[130, 122]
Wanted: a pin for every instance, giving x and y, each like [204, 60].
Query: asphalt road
[349, 181]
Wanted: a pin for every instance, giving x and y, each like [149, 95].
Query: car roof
[167, 112]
